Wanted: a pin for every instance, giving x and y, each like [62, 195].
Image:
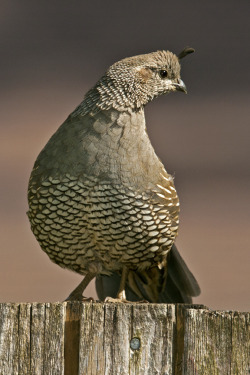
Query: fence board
[122, 339]
[9, 338]
[213, 345]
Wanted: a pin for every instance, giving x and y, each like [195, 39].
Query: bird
[101, 202]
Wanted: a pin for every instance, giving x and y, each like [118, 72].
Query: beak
[180, 86]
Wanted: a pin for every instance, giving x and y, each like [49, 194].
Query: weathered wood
[72, 338]
[9, 338]
[32, 339]
[240, 361]
[121, 339]
[215, 342]
[24, 344]
[107, 331]
[37, 341]
[54, 339]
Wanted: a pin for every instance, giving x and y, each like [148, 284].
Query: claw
[78, 297]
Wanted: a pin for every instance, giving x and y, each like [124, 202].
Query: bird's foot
[116, 300]
[123, 300]
[78, 297]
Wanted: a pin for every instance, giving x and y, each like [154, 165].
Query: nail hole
[135, 343]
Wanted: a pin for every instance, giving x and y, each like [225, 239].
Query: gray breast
[99, 198]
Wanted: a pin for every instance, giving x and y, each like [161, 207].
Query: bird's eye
[163, 73]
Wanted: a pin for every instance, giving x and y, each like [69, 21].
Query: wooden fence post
[122, 339]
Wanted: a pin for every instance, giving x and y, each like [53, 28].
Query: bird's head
[135, 81]
[131, 83]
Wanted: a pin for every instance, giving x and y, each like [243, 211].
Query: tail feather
[173, 284]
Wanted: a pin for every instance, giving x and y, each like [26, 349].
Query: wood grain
[122, 339]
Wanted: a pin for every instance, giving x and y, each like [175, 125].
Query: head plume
[185, 52]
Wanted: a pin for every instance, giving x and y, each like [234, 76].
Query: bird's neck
[106, 95]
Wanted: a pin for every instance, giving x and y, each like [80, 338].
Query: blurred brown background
[52, 52]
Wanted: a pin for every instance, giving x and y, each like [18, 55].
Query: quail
[100, 201]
